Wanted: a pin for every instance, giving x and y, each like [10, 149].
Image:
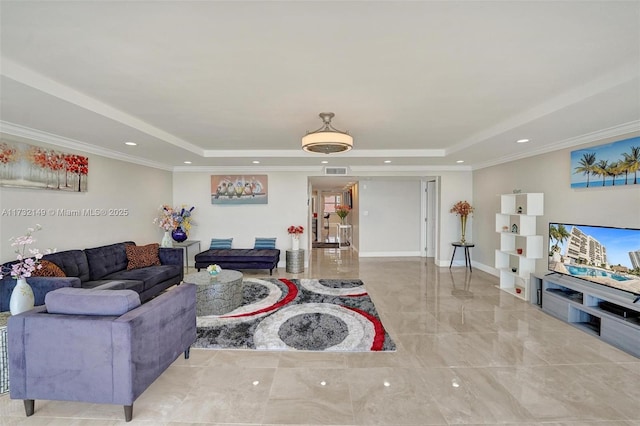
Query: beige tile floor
[467, 354]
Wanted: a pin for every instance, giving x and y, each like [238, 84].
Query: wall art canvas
[613, 164]
[28, 166]
[239, 189]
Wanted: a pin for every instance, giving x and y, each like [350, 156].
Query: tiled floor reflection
[467, 354]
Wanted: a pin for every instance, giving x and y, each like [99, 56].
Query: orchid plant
[28, 258]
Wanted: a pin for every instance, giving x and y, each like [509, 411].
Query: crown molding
[599, 135]
[298, 153]
[28, 77]
[51, 139]
[571, 97]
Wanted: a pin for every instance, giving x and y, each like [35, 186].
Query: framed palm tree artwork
[613, 164]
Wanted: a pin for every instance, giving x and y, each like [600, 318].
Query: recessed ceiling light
[460, 161]
[387, 161]
[522, 141]
[324, 162]
[255, 162]
[131, 143]
[187, 162]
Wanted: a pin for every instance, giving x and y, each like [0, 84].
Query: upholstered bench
[239, 259]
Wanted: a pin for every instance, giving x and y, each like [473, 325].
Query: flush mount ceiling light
[327, 139]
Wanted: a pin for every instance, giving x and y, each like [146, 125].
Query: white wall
[389, 218]
[113, 185]
[141, 190]
[287, 205]
[454, 187]
[549, 174]
[396, 211]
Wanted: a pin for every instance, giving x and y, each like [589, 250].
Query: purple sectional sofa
[99, 266]
[99, 346]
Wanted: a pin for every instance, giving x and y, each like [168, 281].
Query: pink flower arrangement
[26, 264]
[295, 230]
[462, 208]
[171, 218]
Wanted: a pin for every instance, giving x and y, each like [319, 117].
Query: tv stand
[608, 314]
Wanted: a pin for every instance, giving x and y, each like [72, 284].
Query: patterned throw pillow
[49, 269]
[221, 243]
[265, 243]
[142, 256]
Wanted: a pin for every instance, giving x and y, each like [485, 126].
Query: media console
[608, 314]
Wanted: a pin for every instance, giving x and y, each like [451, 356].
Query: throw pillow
[142, 256]
[49, 269]
[221, 243]
[265, 243]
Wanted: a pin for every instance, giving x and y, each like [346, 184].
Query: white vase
[295, 242]
[22, 298]
[167, 241]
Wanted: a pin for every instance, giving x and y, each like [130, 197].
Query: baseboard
[389, 254]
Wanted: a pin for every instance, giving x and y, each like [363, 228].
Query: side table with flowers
[462, 209]
[295, 232]
[22, 298]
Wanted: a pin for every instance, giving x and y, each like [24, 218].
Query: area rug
[298, 315]
[320, 244]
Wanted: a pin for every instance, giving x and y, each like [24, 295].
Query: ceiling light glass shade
[327, 139]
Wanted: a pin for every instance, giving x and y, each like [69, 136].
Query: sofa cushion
[137, 286]
[73, 262]
[80, 301]
[221, 243]
[264, 243]
[149, 276]
[106, 260]
[48, 269]
[142, 256]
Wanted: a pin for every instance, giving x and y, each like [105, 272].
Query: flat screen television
[603, 255]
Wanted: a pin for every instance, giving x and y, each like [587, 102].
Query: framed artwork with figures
[239, 189]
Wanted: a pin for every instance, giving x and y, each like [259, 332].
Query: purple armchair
[98, 346]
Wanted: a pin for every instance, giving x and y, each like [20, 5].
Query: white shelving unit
[519, 244]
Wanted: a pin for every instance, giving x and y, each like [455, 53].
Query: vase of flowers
[343, 211]
[295, 232]
[462, 209]
[182, 219]
[213, 271]
[22, 298]
[176, 223]
[166, 221]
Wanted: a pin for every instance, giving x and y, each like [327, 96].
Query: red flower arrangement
[295, 230]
